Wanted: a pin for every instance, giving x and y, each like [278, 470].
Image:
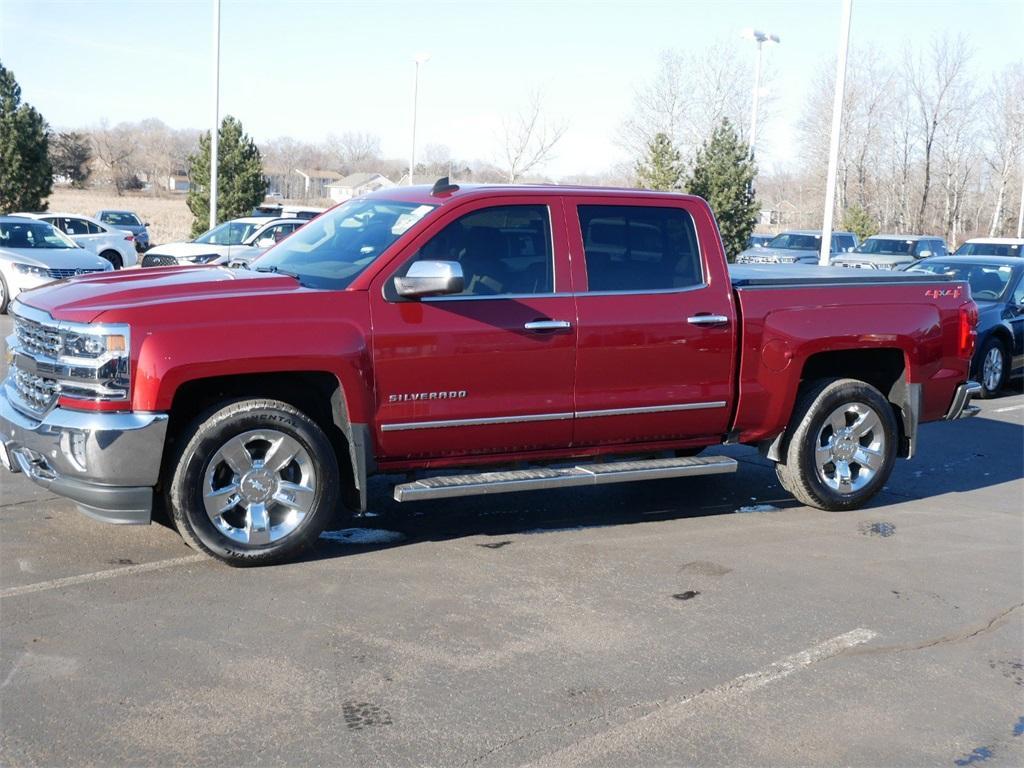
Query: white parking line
[113, 573]
[668, 718]
[1005, 410]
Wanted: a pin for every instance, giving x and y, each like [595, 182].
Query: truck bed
[795, 276]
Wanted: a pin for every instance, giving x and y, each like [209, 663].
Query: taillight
[968, 334]
[129, 237]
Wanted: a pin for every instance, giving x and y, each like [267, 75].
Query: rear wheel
[114, 258]
[256, 483]
[992, 368]
[5, 297]
[842, 445]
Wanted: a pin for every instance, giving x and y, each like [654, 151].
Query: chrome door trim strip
[474, 422]
[649, 409]
[402, 426]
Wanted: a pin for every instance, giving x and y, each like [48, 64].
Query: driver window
[1018, 294]
[502, 250]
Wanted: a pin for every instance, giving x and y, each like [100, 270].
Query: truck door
[657, 326]
[489, 370]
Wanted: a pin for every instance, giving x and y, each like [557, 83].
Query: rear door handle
[548, 325]
[708, 320]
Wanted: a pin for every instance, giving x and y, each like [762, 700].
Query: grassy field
[168, 217]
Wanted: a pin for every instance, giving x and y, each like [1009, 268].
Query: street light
[215, 131]
[825, 254]
[760, 38]
[422, 58]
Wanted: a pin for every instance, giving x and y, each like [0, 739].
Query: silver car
[33, 253]
[892, 251]
[796, 246]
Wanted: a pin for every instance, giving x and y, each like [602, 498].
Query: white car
[242, 238]
[992, 246]
[114, 245]
[34, 253]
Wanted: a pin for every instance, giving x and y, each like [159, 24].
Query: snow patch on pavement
[758, 508]
[363, 536]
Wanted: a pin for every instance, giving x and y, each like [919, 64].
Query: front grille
[36, 338]
[158, 260]
[60, 274]
[36, 392]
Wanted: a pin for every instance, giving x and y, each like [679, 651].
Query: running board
[448, 486]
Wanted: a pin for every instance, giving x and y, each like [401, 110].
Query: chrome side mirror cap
[430, 278]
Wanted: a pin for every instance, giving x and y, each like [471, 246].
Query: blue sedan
[998, 290]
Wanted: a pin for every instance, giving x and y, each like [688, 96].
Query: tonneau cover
[794, 276]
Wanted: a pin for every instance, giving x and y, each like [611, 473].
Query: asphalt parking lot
[708, 621]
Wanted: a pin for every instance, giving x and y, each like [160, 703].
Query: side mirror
[431, 278]
[266, 242]
[924, 254]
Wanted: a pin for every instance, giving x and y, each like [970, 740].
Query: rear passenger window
[639, 248]
[502, 250]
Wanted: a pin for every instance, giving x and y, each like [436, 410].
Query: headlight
[785, 260]
[31, 269]
[92, 345]
[205, 258]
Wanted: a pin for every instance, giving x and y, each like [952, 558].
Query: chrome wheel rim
[259, 486]
[992, 369]
[850, 449]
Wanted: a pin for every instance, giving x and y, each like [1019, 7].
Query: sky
[309, 69]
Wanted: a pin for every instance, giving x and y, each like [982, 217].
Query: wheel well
[112, 256]
[881, 368]
[315, 393]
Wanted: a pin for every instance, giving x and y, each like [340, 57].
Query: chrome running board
[541, 478]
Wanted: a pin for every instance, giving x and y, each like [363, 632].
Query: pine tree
[662, 168]
[241, 184]
[723, 174]
[857, 220]
[26, 177]
[70, 154]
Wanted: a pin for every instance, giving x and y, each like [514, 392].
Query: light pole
[215, 132]
[1020, 213]
[825, 254]
[421, 59]
[760, 38]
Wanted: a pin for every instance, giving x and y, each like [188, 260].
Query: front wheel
[114, 258]
[256, 483]
[992, 368]
[842, 445]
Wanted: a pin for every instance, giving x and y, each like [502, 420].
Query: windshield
[882, 245]
[795, 241]
[228, 233]
[989, 282]
[332, 250]
[988, 249]
[120, 219]
[32, 234]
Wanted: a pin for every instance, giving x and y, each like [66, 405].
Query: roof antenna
[443, 187]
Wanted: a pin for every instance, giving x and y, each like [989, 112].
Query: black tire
[114, 258]
[810, 427]
[5, 296]
[991, 387]
[191, 468]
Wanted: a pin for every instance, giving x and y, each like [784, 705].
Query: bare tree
[529, 139]
[354, 150]
[1004, 135]
[937, 85]
[115, 150]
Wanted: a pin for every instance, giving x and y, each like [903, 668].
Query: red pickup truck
[531, 337]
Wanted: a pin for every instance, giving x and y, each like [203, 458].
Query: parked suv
[992, 246]
[892, 251]
[130, 222]
[114, 245]
[237, 240]
[798, 246]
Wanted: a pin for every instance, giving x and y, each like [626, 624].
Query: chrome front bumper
[107, 463]
[961, 407]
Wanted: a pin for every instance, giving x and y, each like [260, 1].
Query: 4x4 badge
[937, 293]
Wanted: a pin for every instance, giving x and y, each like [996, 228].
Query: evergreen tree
[860, 222]
[26, 177]
[70, 154]
[240, 181]
[662, 168]
[723, 174]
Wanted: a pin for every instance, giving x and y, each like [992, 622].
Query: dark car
[998, 290]
[129, 222]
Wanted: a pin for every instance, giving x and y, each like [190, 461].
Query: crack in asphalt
[958, 637]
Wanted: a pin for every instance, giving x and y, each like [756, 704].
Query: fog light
[72, 443]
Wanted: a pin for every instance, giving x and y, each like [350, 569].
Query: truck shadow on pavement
[953, 457]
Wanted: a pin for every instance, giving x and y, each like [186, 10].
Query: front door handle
[708, 320]
[548, 325]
